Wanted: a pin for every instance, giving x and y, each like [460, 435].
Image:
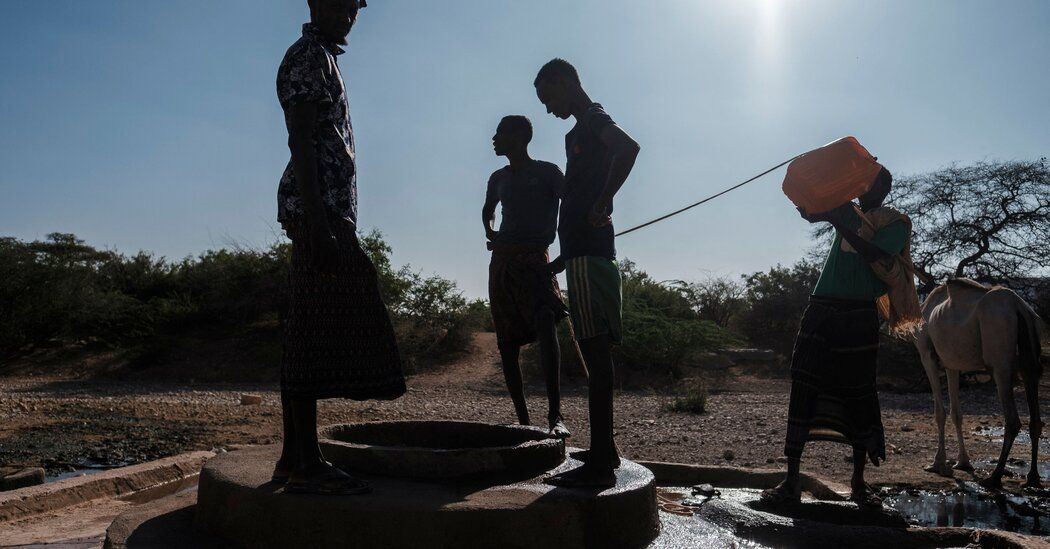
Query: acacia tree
[717, 299]
[989, 221]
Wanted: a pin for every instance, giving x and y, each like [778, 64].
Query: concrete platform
[237, 502]
[730, 521]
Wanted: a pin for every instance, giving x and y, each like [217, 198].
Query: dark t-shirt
[586, 172]
[529, 199]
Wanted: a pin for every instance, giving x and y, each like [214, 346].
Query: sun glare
[767, 31]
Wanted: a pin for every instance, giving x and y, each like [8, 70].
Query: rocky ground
[64, 423]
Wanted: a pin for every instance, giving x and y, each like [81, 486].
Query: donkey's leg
[956, 410]
[1035, 427]
[929, 364]
[1003, 374]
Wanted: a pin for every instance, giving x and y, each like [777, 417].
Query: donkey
[971, 327]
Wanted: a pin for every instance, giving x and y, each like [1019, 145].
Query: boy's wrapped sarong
[833, 366]
[519, 287]
[339, 341]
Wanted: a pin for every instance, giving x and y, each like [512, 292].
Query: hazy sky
[154, 125]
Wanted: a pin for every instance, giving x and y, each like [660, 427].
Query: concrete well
[436, 484]
[441, 449]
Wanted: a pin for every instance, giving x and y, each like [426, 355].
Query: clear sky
[154, 125]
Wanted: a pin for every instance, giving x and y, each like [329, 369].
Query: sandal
[329, 486]
[866, 497]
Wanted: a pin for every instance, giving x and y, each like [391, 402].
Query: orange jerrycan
[826, 178]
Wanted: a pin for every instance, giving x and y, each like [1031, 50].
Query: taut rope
[712, 197]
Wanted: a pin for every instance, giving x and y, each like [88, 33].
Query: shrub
[661, 330]
[718, 299]
[63, 289]
[690, 397]
[775, 300]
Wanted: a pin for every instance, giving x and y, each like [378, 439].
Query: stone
[809, 524]
[705, 490]
[21, 478]
[251, 400]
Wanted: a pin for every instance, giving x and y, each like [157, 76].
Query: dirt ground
[64, 423]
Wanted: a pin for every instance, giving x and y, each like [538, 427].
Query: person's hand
[837, 216]
[815, 217]
[599, 215]
[556, 266]
[490, 234]
[324, 250]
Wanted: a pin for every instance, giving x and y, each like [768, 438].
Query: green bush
[49, 289]
[690, 397]
[775, 300]
[64, 290]
[661, 330]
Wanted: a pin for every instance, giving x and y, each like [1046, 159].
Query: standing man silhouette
[524, 296]
[834, 396]
[339, 342]
[600, 158]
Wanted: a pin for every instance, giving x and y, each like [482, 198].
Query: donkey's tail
[1029, 340]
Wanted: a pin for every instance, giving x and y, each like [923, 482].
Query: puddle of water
[973, 508]
[1017, 467]
[1023, 438]
[74, 473]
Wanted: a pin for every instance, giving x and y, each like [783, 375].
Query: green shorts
[595, 301]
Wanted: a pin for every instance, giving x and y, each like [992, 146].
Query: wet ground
[683, 530]
[971, 506]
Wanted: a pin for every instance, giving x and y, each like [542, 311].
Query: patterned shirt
[309, 74]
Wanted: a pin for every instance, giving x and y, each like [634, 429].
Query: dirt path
[64, 423]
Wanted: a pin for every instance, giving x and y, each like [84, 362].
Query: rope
[708, 199]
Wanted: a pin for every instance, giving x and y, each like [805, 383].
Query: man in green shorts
[600, 157]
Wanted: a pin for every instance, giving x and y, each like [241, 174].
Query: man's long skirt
[833, 365]
[339, 341]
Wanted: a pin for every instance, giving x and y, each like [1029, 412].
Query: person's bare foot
[584, 476]
[585, 455]
[785, 493]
